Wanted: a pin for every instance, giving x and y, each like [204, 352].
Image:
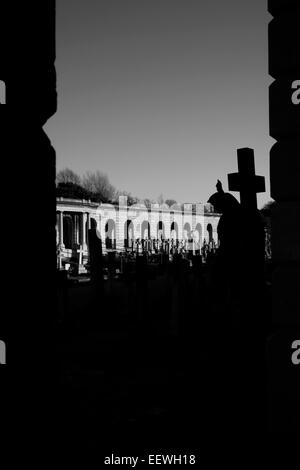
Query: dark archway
[68, 227]
[110, 234]
[145, 230]
[174, 231]
[160, 230]
[93, 223]
[209, 232]
[128, 233]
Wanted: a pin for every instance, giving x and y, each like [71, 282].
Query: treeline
[97, 187]
[93, 186]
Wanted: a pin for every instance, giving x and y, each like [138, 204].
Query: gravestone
[111, 268]
[237, 288]
[80, 268]
[238, 267]
[246, 182]
[95, 257]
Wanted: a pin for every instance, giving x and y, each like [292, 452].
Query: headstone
[238, 267]
[95, 256]
[197, 263]
[251, 224]
[111, 260]
[122, 263]
[141, 319]
[80, 268]
[245, 181]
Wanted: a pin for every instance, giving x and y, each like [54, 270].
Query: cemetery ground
[158, 355]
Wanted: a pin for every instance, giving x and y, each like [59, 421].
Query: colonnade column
[84, 230]
[61, 229]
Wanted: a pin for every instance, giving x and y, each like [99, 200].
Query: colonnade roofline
[62, 201]
[66, 204]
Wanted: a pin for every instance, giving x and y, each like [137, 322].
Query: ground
[124, 375]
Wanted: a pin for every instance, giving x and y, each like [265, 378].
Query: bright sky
[159, 94]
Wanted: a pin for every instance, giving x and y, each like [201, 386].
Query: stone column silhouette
[27, 68]
[61, 229]
[84, 230]
[284, 107]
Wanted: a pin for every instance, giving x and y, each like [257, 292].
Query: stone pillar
[73, 235]
[76, 230]
[88, 226]
[61, 229]
[57, 228]
[28, 70]
[83, 230]
[284, 105]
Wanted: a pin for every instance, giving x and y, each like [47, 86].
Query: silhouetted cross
[246, 182]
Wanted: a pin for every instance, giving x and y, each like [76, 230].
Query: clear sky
[159, 94]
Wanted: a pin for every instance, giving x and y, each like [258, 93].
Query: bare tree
[67, 176]
[160, 199]
[130, 199]
[170, 202]
[99, 184]
[148, 202]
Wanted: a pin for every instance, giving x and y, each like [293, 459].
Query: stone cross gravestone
[239, 269]
[246, 182]
[80, 269]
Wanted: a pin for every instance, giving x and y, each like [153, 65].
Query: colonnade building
[120, 225]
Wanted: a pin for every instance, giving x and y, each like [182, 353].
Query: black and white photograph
[150, 227]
